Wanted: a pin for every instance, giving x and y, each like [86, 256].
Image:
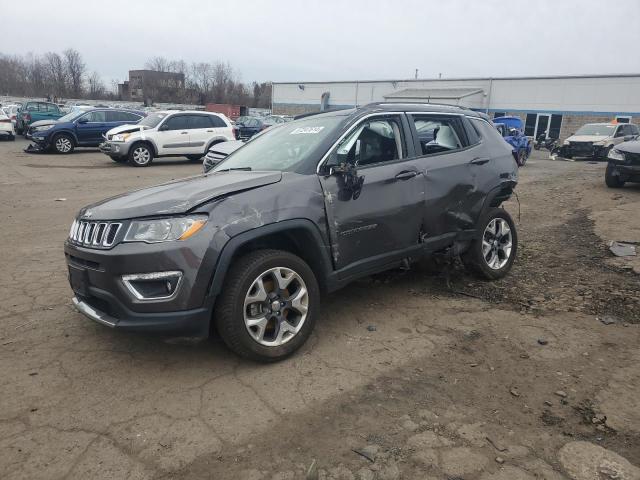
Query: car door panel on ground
[174, 134]
[376, 209]
[445, 154]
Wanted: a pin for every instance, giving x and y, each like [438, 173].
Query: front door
[173, 135]
[90, 127]
[542, 125]
[374, 204]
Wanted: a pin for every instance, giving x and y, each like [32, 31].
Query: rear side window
[199, 121]
[634, 129]
[177, 122]
[472, 132]
[115, 116]
[217, 121]
[439, 134]
[486, 130]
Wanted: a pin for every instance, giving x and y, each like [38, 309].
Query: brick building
[555, 105]
[150, 85]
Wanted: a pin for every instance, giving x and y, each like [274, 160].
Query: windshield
[283, 148]
[596, 129]
[152, 120]
[70, 117]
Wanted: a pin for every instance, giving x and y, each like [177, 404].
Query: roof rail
[310, 114]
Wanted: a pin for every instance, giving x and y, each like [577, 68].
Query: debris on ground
[371, 328]
[542, 341]
[60, 200]
[622, 249]
[607, 319]
[561, 393]
[369, 452]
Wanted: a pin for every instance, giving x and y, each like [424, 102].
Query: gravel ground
[460, 379]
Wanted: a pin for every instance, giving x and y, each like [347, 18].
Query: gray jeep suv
[303, 209]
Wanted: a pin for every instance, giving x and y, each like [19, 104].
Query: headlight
[599, 144]
[616, 155]
[164, 229]
[43, 128]
[565, 143]
[120, 137]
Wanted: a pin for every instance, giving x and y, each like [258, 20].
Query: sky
[311, 40]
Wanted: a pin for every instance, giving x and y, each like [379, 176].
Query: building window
[530, 124]
[623, 119]
[554, 127]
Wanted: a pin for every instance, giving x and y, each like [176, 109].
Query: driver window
[373, 141]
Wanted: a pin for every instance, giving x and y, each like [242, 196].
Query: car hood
[179, 196]
[587, 138]
[632, 146]
[227, 147]
[42, 123]
[125, 128]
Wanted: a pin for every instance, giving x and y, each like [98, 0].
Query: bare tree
[159, 64]
[96, 86]
[56, 73]
[75, 71]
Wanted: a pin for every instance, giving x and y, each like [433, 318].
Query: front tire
[612, 180]
[140, 155]
[194, 158]
[119, 159]
[268, 306]
[492, 253]
[63, 143]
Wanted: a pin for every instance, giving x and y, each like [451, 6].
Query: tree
[96, 86]
[56, 73]
[75, 71]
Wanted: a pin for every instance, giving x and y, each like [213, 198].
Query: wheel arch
[214, 141]
[146, 141]
[65, 131]
[298, 236]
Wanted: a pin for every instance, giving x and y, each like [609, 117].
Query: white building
[555, 105]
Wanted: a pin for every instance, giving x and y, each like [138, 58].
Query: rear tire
[140, 155]
[612, 181]
[493, 251]
[522, 157]
[62, 143]
[256, 314]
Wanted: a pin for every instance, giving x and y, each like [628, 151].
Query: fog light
[153, 286]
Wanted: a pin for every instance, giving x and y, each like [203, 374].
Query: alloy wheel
[141, 156]
[276, 306]
[497, 243]
[63, 145]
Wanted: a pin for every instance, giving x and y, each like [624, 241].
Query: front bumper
[584, 150]
[628, 172]
[115, 149]
[95, 277]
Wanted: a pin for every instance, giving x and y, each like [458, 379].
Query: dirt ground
[408, 375]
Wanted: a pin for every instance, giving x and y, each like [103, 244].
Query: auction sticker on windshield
[301, 130]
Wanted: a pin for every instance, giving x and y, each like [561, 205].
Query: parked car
[624, 164]
[12, 112]
[248, 127]
[274, 120]
[34, 111]
[219, 152]
[6, 126]
[596, 140]
[80, 128]
[512, 130]
[307, 206]
[167, 134]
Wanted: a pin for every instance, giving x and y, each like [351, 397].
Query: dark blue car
[83, 128]
[512, 130]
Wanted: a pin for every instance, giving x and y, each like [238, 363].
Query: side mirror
[628, 137]
[164, 127]
[83, 120]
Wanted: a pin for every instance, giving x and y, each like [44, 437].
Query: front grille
[94, 234]
[632, 158]
[216, 156]
[582, 146]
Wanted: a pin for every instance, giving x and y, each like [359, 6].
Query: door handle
[479, 161]
[183, 133]
[406, 175]
[209, 131]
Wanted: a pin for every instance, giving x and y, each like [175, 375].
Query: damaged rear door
[447, 160]
[373, 192]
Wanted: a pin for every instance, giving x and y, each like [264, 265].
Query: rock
[561, 393]
[608, 319]
[369, 452]
[427, 440]
[548, 403]
[500, 460]
[371, 328]
[542, 341]
[461, 461]
[514, 392]
[587, 461]
[621, 249]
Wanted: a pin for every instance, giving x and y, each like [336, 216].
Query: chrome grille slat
[94, 234]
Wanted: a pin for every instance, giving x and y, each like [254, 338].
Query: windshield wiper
[244, 169]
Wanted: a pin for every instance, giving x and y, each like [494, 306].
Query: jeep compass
[303, 209]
